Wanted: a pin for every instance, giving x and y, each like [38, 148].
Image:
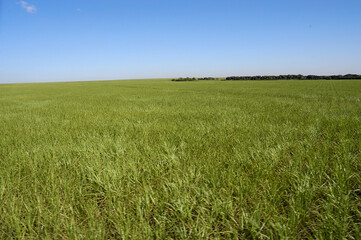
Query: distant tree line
[193, 79]
[279, 77]
[297, 77]
[184, 79]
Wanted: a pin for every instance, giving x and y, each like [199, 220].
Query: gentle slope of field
[159, 159]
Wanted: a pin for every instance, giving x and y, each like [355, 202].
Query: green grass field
[154, 159]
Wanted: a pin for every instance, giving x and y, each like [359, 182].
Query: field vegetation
[154, 159]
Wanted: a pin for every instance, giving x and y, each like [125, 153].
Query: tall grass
[189, 160]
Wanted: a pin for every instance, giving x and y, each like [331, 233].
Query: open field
[159, 159]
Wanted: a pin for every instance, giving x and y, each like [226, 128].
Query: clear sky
[66, 40]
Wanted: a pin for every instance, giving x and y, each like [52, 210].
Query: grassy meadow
[155, 159]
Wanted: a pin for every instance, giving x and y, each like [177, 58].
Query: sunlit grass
[160, 159]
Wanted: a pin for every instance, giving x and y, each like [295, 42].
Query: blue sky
[72, 40]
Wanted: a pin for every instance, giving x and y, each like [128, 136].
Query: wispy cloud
[27, 7]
